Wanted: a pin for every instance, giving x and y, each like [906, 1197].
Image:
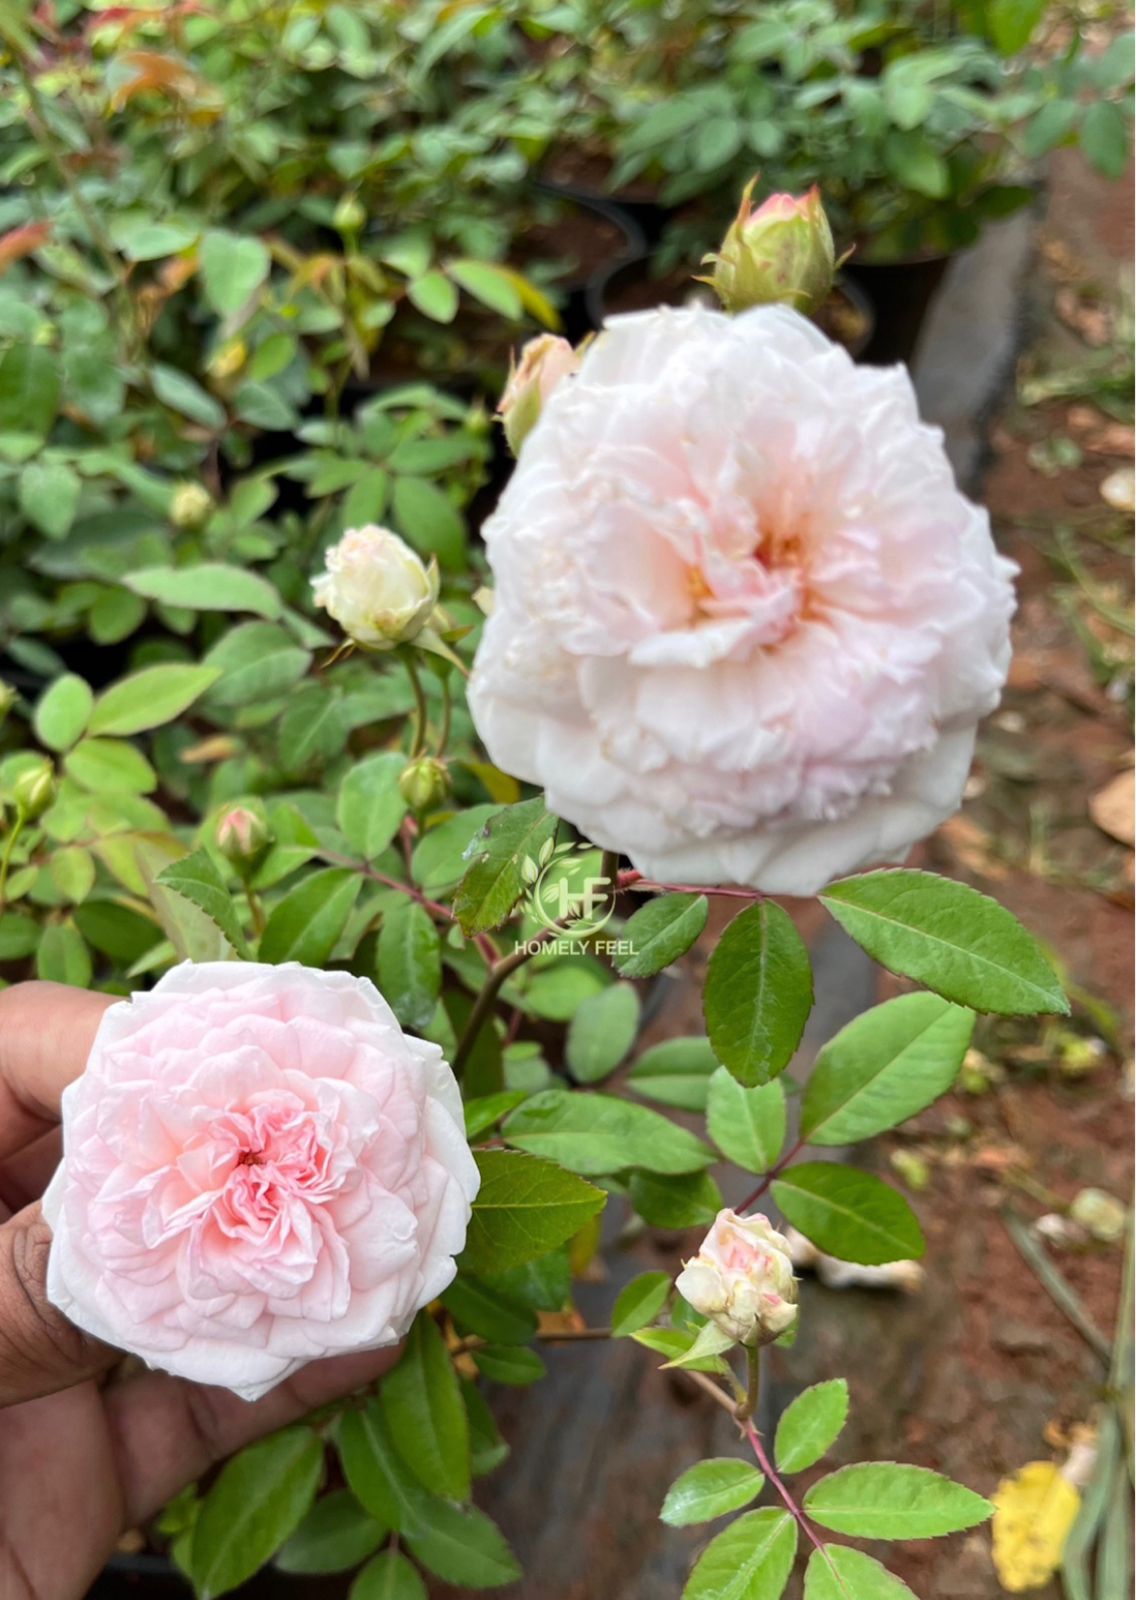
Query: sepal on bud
[782, 252]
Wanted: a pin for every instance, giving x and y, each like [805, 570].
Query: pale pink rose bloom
[742, 1279]
[260, 1169]
[745, 624]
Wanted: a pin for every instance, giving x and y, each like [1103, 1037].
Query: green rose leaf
[837, 1572]
[257, 661]
[882, 1500]
[150, 698]
[258, 1501]
[602, 1032]
[62, 956]
[709, 1490]
[494, 881]
[110, 766]
[370, 808]
[232, 269]
[512, 1365]
[335, 1535]
[434, 295]
[660, 932]
[426, 1414]
[747, 1125]
[848, 1214]
[689, 1201]
[185, 395]
[439, 863]
[197, 879]
[959, 943]
[410, 962]
[675, 1073]
[524, 1208]
[883, 1067]
[389, 1576]
[758, 994]
[478, 1308]
[596, 1134]
[487, 1110]
[49, 496]
[305, 926]
[428, 519]
[639, 1303]
[63, 711]
[29, 390]
[749, 1560]
[459, 1544]
[208, 586]
[810, 1425]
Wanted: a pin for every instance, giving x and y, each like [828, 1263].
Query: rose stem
[420, 709]
[708, 1386]
[773, 1172]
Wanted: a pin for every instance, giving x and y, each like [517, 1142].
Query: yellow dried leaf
[1033, 1513]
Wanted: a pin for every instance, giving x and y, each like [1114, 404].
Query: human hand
[81, 1458]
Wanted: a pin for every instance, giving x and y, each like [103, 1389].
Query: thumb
[40, 1351]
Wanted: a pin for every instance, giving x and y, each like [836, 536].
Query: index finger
[46, 1034]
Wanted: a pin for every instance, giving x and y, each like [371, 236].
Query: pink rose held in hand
[260, 1169]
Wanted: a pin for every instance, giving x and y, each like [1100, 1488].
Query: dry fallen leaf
[1033, 1513]
[1111, 808]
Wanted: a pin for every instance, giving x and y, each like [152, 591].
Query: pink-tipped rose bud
[377, 589]
[782, 252]
[545, 363]
[242, 835]
[742, 1279]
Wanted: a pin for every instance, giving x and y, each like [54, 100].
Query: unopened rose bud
[742, 1279]
[376, 588]
[33, 791]
[349, 215]
[242, 836]
[545, 363]
[190, 506]
[782, 252]
[425, 783]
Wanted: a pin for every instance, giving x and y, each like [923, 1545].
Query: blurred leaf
[62, 712]
[49, 496]
[370, 807]
[675, 1073]
[209, 586]
[1034, 1512]
[149, 698]
[602, 1032]
[639, 1303]
[232, 269]
[63, 957]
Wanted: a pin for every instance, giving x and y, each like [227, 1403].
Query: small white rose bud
[242, 835]
[742, 1279]
[190, 506]
[782, 252]
[545, 363]
[425, 783]
[34, 791]
[377, 588]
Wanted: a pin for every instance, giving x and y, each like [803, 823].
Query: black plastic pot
[649, 217]
[578, 294]
[901, 294]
